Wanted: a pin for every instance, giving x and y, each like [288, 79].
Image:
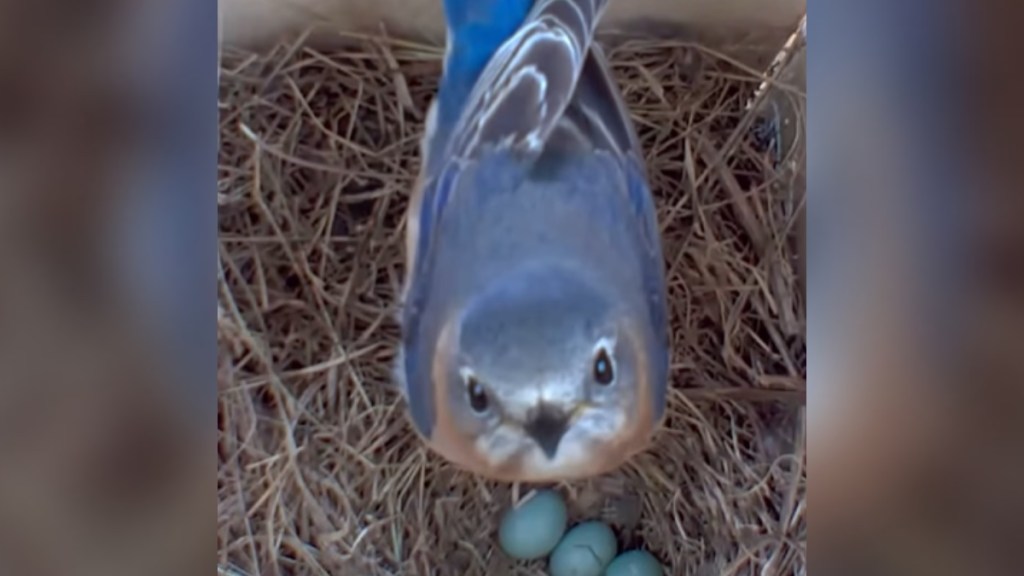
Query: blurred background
[107, 311]
[108, 151]
[914, 289]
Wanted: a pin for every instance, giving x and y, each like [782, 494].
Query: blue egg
[532, 529]
[634, 563]
[585, 551]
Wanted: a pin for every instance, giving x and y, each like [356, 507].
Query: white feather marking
[447, 50]
[606, 342]
[520, 67]
[430, 126]
[398, 372]
[501, 445]
[465, 373]
[524, 76]
[553, 29]
[503, 73]
[563, 390]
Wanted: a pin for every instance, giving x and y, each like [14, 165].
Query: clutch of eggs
[536, 527]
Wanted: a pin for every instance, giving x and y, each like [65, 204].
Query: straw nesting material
[319, 473]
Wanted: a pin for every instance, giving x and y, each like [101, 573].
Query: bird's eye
[604, 373]
[477, 395]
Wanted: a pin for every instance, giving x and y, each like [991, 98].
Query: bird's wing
[523, 92]
[516, 103]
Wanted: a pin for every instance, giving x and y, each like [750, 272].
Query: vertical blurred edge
[108, 146]
[895, 462]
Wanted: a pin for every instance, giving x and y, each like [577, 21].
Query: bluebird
[534, 320]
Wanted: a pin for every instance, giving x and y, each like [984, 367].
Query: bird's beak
[547, 426]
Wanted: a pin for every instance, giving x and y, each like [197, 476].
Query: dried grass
[319, 473]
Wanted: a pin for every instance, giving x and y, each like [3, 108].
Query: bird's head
[543, 376]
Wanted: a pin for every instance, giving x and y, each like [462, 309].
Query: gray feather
[597, 118]
[523, 93]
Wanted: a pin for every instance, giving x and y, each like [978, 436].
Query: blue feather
[510, 73]
[476, 30]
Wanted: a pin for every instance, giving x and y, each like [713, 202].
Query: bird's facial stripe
[502, 445]
[599, 423]
[595, 435]
[564, 393]
[579, 411]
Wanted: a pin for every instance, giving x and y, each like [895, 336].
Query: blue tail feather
[476, 30]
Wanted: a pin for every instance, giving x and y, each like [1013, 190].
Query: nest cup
[319, 472]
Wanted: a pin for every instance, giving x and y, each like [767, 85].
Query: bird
[534, 334]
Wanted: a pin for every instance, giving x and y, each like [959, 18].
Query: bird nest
[319, 472]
